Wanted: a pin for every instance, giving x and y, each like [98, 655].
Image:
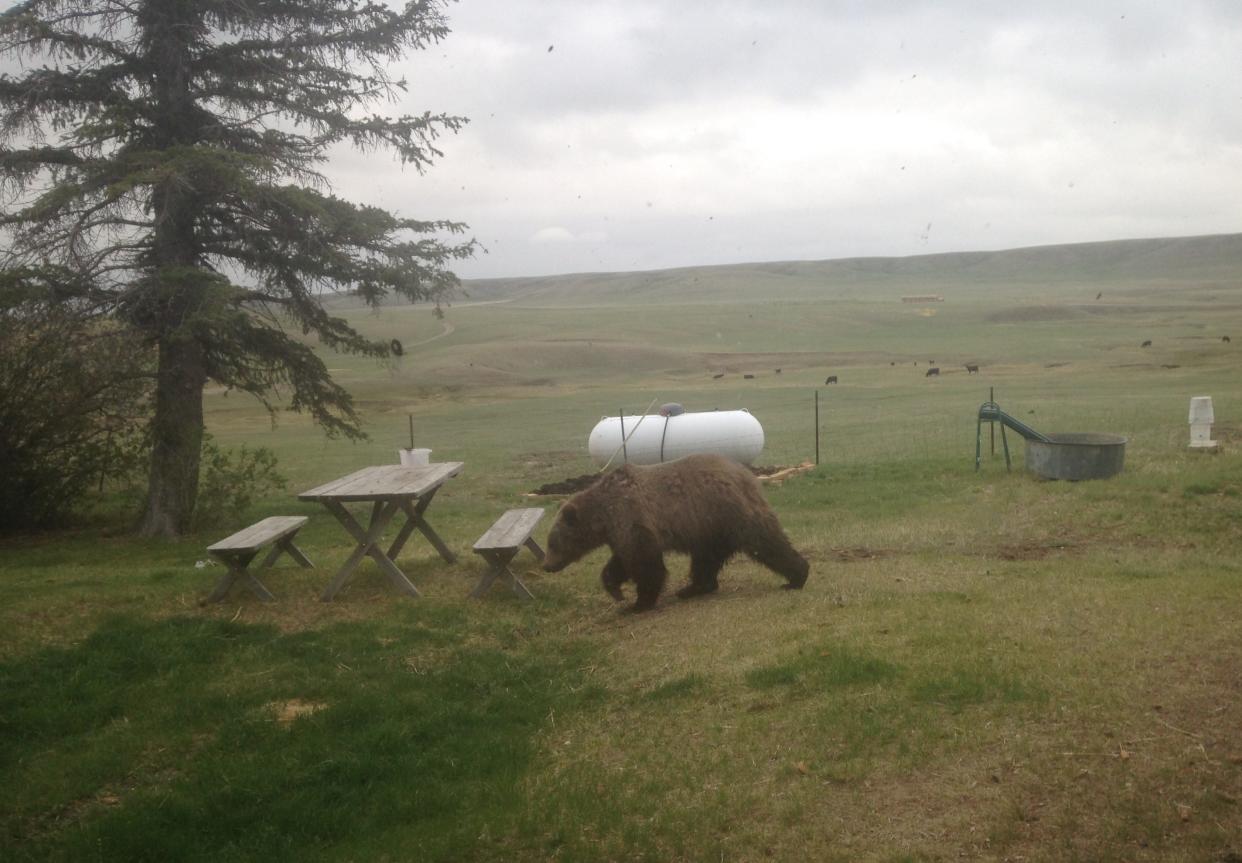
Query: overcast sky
[635, 134]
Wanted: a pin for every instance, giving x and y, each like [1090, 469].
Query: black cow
[832, 379]
[778, 371]
[933, 372]
[718, 377]
[1146, 344]
[749, 377]
[1224, 339]
[971, 369]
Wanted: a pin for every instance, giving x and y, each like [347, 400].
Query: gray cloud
[657, 134]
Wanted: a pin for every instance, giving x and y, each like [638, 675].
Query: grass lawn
[982, 665]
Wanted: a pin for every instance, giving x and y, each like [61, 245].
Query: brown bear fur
[706, 506]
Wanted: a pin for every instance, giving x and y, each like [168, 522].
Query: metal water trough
[1075, 456]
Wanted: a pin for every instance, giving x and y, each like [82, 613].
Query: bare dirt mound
[1031, 314]
[566, 486]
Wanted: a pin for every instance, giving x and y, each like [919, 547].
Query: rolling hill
[1136, 267]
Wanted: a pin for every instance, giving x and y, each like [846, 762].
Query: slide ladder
[990, 412]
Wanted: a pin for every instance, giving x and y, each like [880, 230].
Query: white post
[1201, 419]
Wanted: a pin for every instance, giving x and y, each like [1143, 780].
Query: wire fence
[808, 426]
[849, 428]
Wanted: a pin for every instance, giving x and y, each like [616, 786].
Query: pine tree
[169, 152]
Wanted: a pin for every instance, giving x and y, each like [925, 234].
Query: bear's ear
[569, 515]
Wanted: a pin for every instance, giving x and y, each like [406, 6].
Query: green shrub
[230, 480]
[73, 398]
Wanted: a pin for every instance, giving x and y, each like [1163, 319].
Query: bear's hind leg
[704, 571]
[775, 552]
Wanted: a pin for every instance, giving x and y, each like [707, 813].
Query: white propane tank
[654, 439]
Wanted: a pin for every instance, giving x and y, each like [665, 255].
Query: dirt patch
[1031, 550]
[566, 486]
[1033, 314]
[857, 553]
[766, 363]
[285, 712]
[777, 475]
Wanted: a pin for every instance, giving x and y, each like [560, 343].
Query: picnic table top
[385, 482]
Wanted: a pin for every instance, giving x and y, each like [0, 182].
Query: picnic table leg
[404, 533]
[414, 519]
[381, 515]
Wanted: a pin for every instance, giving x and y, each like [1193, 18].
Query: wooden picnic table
[389, 488]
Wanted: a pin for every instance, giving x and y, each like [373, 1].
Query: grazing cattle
[1100, 294]
[832, 379]
[933, 372]
[1224, 339]
[931, 362]
[778, 371]
[892, 363]
[1146, 344]
[718, 377]
[971, 369]
[749, 377]
[1171, 366]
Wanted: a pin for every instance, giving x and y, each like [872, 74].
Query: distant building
[924, 298]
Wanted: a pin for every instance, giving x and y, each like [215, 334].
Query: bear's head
[575, 532]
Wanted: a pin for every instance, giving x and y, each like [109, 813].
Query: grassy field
[982, 665]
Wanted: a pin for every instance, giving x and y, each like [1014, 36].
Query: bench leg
[535, 549]
[257, 586]
[238, 572]
[498, 565]
[286, 546]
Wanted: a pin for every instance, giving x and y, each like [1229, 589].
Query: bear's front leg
[612, 577]
[705, 568]
[648, 573]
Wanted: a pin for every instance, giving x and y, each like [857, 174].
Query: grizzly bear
[706, 506]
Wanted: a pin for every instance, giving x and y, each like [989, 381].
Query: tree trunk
[177, 424]
[177, 439]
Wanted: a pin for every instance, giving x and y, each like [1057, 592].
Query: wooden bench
[502, 542]
[238, 550]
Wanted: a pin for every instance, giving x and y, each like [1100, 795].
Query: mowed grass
[981, 666]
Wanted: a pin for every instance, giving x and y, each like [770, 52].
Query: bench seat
[501, 543]
[239, 549]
